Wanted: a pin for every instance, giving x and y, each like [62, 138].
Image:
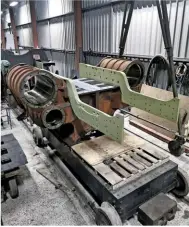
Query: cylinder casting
[36, 91]
[134, 70]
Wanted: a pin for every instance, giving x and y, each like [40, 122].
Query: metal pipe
[125, 27]
[123, 24]
[169, 50]
[145, 138]
[164, 22]
[137, 116]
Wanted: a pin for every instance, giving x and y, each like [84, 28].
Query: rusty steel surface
[16, 76]
[44, 97]
[18, 82]
[47, 102]
[16, 73]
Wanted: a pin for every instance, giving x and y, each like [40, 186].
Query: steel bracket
[165, 109]
[111, 126]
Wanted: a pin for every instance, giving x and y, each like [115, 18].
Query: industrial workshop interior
[94, 112]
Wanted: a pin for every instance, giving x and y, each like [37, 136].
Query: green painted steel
[165, 109]
[112, 126]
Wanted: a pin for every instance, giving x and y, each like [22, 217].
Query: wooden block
[157, 153]
[126, 165]
[140, 159]
[143, 154]
[107, 173]
[120, 170]
[132, 162]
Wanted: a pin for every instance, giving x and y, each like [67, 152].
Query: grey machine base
[129, 196]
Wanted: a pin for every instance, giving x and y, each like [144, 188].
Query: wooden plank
[96, 150]
[133, 141]
[126, 165]
[120, 170]
[107, 173]
[163, 95]
[155, 151]
[90, 155]
[143, 154]
[133, 162]
[140, 159]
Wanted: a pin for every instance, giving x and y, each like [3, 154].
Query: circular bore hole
[134, 75]
[39, 90]
[54, 117]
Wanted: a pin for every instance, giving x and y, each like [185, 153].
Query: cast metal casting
[54, 101]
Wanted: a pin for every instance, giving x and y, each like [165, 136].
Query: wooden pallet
[118, 164]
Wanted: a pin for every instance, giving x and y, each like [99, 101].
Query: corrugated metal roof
[96, 29]
[92, 3]
[144, 37]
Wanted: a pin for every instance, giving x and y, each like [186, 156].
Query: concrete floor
[40, 203]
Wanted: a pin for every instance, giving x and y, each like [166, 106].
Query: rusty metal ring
[45, 114]
[33, 74]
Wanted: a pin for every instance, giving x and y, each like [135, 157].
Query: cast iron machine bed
[120, 177]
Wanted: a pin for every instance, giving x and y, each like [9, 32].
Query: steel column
[78, 32]
[34, 23]
[125, 26]
[164, 22]
[13, 28]
[3, 44]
